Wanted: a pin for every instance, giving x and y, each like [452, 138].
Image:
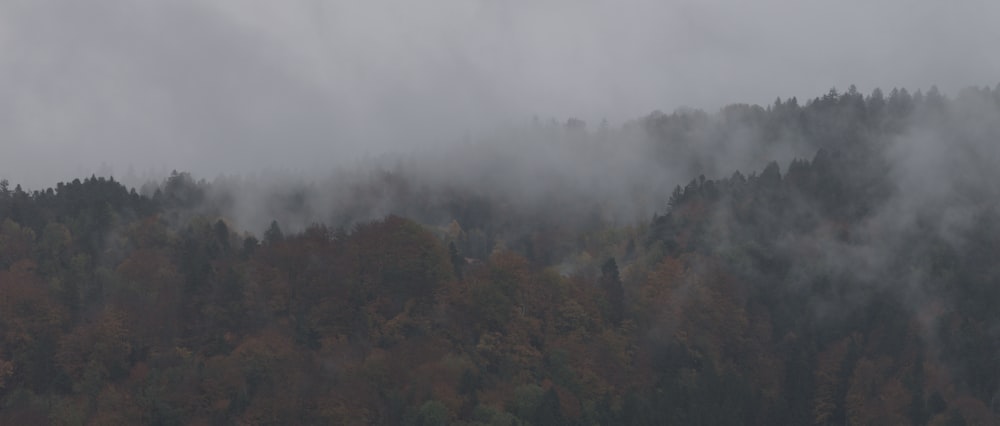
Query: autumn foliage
[766, 299]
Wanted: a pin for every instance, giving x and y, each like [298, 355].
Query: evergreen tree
[611, 283]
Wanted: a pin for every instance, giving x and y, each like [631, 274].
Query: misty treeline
[832, 261]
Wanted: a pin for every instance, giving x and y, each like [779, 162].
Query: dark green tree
[273, 234]
[611, 283]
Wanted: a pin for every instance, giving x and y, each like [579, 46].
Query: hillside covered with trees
[833, 261]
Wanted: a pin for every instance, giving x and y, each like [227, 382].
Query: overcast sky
[241, 85]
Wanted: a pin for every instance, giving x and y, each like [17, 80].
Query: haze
[242, 86]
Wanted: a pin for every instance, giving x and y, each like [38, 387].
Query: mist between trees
[825, 261]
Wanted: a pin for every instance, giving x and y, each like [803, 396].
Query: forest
[825, 262]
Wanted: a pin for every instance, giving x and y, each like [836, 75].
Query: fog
[236, 87]
[632, 153]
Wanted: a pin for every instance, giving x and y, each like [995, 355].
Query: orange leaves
[398, 259]
[271, 366]
[263, 352]
[400, 249]
[97, 350]
[117, 406]
[16, 243]
[150, 275]
[508, 265]
[149, 265]
[699, 307]
[30, 323]
[876, 394]
[150, 232]
[761, 360]
[149, 291]
[828, 381]
[974, 411]
[27, 313]
[56, 240]
[6, 370]
[271, 287]
[656, 299]
[511, 355]
[871, 384]
[397, 328]
[442, 379]
[571, 317]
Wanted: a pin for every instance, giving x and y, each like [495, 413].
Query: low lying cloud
[236, 87]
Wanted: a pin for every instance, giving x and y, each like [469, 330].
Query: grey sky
[241, 85]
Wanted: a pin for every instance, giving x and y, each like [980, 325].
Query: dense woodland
[857, 285]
